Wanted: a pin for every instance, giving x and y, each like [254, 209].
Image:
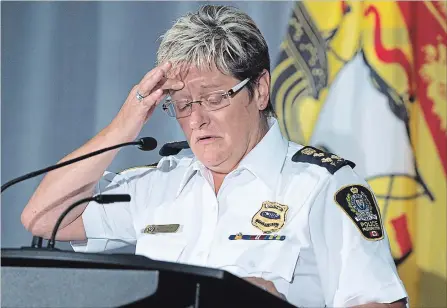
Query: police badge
[359, 203]
[271, 217]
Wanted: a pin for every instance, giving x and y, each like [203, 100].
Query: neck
[218, 177]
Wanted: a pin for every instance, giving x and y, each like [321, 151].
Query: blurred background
[364, 80]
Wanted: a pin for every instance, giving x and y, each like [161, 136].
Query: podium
[34, 277]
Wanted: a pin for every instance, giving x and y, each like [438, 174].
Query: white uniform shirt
[323, 260]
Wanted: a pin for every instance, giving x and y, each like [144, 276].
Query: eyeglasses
[211, 101]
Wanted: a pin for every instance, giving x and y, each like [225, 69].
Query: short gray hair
[219, 35]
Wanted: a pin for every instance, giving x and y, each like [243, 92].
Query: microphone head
[173, 148]
[147, 144]
[112, 198]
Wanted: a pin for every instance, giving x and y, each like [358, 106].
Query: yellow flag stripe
[280, 68]
[280, 95]
[291, 95]
[436, 14]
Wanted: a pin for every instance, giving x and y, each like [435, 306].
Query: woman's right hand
[153, 87]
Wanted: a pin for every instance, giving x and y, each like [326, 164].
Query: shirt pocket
[163, 247]
[266, 258]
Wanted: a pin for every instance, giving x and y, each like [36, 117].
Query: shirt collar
[194, 167]
[265, 160]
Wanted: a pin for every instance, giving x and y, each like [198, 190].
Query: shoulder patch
[360, 204]
[318, 157]
[173, 148]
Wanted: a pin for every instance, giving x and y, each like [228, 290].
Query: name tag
[154, 229]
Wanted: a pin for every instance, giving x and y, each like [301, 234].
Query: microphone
[36, 242]
[144, 144]
[173, 148]
[101, 199]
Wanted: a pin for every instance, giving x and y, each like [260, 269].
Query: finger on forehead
[146, 86]
[163, 67]
[172, 84]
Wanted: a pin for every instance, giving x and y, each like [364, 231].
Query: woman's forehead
[201, 85]
[184, 71]
[201, 78]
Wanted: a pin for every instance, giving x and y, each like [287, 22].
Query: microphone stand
[142, 143]
[145, 144]
[101, 199]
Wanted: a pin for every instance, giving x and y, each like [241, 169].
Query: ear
[263, 90]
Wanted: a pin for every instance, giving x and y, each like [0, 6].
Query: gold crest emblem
[271, 217]
[308, 151]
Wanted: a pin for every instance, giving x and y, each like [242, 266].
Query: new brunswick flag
[366, 80]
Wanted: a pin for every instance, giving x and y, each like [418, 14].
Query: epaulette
[154, 165]
[318, 157]
[173, 148]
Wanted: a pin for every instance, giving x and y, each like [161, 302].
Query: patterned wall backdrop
[367, 81]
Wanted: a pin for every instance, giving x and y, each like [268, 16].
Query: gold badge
[153, 229]
[271, 217]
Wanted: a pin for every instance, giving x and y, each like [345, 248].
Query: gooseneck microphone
[145, 144]
[101, 199]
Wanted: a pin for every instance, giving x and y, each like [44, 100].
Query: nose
[199, 117]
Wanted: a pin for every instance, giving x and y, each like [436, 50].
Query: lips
[206, 138]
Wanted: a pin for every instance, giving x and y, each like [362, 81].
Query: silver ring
[139, 96]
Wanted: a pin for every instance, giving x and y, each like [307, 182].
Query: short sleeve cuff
[94, 230]
[385, 295]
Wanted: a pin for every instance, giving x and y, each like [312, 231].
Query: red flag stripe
[403, 238]
[426, 30]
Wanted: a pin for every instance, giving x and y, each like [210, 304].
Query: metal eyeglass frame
[168, 105]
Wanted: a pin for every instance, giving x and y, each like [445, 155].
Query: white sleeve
[110, 226]
[352, 249]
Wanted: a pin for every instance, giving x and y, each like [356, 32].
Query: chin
[211, 160]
